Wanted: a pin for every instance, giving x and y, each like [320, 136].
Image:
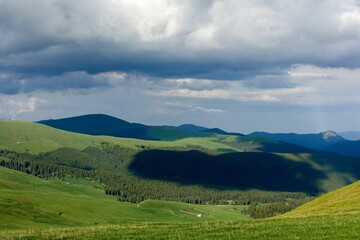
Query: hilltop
[101, 124]
[35, 138]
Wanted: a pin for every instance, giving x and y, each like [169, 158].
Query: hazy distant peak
[331, 136]
[192, 128]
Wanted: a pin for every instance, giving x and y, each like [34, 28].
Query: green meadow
[30, 202]
[33, 208]
[75, 208]
[325, 227]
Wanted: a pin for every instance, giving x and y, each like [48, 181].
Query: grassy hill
[211, 163]
[101, 124]
[342, 201]
[36, 138]
[30, 202]
[33, 208]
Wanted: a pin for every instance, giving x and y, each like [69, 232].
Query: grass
[342, 201]
[329, 227]
[33, 208]
[30, 202]
[37, 138]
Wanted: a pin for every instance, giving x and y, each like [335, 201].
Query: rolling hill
[341, 201]
[200, 169]
[30, 202]
[33, 208]
[36, 138]
[235, 162]
[101, 124]
[192, 128]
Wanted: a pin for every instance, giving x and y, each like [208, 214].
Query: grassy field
[30, 202]
[326, 227]
[33, 208]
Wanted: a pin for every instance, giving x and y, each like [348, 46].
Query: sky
[240, 65]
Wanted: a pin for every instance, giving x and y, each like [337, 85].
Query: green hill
[36, 138]
[134, 170]
[33, 208]
[204, 169]
[30, 202]
[101, 124]
[342, 201]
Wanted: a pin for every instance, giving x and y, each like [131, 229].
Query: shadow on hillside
[232, 170]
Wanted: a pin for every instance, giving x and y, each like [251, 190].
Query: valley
[210, 181]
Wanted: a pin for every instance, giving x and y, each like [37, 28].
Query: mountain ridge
[102, 124]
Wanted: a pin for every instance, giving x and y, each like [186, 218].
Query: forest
[110, 164]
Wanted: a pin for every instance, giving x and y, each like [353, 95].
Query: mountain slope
[27, 202]
[220, 161]
[347, 148]
[101, 124]
[192, 128]
[315, 141]
[342, 201]
[36, 138]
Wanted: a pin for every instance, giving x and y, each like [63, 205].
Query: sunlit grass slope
[342, 201]
[30, 202]
[329, 227]
[35, 138]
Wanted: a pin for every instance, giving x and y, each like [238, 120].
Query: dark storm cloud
[199, 39]
[13, 84]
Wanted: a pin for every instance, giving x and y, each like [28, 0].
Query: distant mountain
[220, 131]
[198, 129]
[217, 130]
[347, 148]
[351, 135]
[101, 124]
[319, 141]
[192, 128]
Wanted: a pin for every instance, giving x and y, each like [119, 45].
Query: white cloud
[21, 104]
[179, 106]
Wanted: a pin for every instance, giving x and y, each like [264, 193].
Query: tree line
[109, 165]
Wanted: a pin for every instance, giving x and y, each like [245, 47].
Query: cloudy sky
[241, 65]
